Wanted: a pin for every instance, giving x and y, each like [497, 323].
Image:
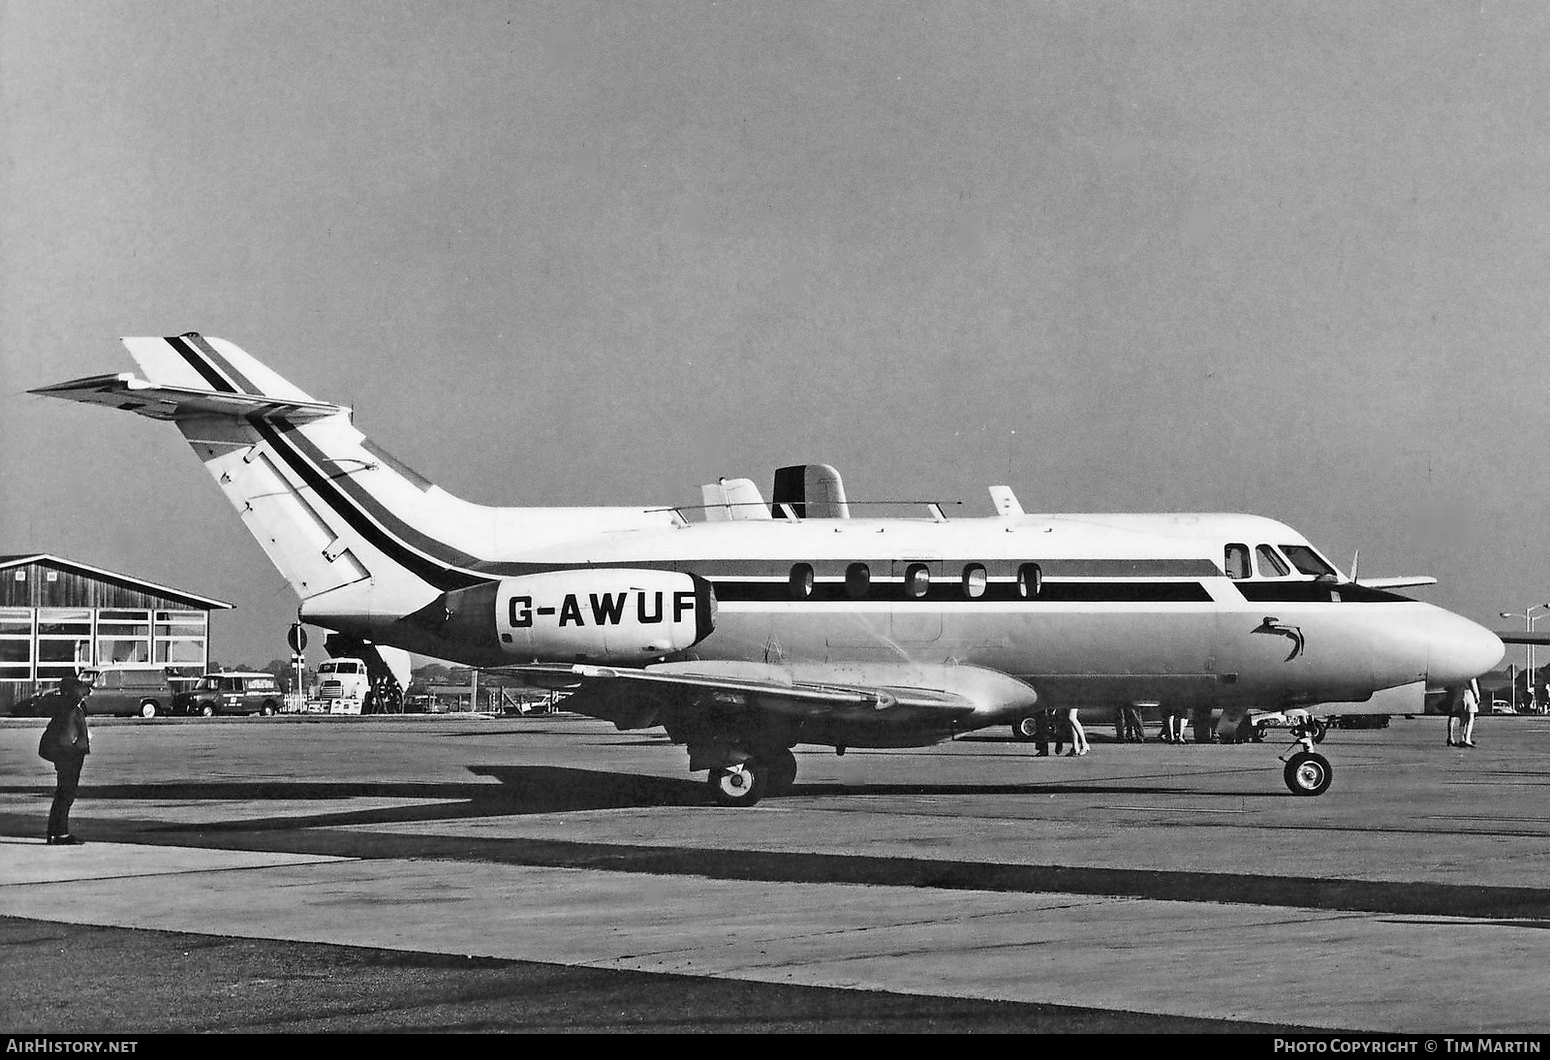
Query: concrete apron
[1373, 971]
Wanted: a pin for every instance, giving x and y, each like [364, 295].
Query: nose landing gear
[1307, 772]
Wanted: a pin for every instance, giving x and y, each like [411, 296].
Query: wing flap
[756, 687]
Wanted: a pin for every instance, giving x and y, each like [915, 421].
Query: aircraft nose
[1459, 650]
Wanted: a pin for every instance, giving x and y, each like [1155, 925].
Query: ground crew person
[1463, 714]
[66, 743]
[1043, 729]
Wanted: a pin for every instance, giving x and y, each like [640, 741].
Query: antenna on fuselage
[1007, 505]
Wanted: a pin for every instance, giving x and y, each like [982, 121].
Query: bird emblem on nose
[1275, 626]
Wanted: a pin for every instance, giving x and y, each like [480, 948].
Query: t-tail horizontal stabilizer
[160, 402]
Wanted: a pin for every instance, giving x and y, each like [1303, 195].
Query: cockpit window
[1270, 565]
[1306, 560]
[1236, 560]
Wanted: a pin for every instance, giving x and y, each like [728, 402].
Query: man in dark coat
[66, 743]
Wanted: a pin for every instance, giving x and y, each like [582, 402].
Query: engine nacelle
[583, 615]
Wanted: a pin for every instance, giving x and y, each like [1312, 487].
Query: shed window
[917, 580]
[1030, 581]
[858, 579]
[15, 642]
[974, 580]
[64, 622]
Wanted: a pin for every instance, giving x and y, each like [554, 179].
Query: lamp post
[1529, 618]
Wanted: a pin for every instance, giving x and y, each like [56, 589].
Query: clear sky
[1284, 258]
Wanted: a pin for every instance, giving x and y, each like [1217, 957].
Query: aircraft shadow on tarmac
[521, 790]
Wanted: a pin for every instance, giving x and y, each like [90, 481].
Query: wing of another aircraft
[1401, 582]
[1521, 637]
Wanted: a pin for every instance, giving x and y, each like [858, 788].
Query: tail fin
[335, 514]
[329, 508]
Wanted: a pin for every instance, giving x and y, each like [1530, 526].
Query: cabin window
[1030, 581]
[858, 579]
[974, 581]
[1270, 565]
[801, 584]
[1236, 561]
[917, 580]
[1306, 560]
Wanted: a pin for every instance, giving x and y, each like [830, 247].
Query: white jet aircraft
[756, 628]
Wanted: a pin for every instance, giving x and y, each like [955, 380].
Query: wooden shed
[57, 616]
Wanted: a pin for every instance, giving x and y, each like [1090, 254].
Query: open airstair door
[811, 491]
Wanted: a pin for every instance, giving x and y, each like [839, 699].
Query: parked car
[1360, 721]
[135, 691]
[1501, 706]
[231, 693]
[29, 706]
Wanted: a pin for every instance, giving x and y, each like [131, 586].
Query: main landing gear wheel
[781, 770]
[1308, 773]
[1025, 728]
[739, 785]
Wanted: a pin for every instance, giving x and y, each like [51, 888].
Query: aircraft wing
[1521, 637]
[1402, 582]
[160, 401]
[602, 691]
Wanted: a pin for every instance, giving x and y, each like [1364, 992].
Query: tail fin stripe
[201, 365]
[223, 364]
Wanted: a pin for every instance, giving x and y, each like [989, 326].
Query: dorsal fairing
[811, 491]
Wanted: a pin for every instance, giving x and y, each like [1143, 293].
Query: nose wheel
[1308, 773]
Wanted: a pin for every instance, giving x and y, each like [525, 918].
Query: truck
[369, 680]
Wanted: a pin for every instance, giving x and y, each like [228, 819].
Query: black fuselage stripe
[374, 508]
[731, 591]
[425, 568]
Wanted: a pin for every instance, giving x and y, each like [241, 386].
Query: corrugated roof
[141, 584]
